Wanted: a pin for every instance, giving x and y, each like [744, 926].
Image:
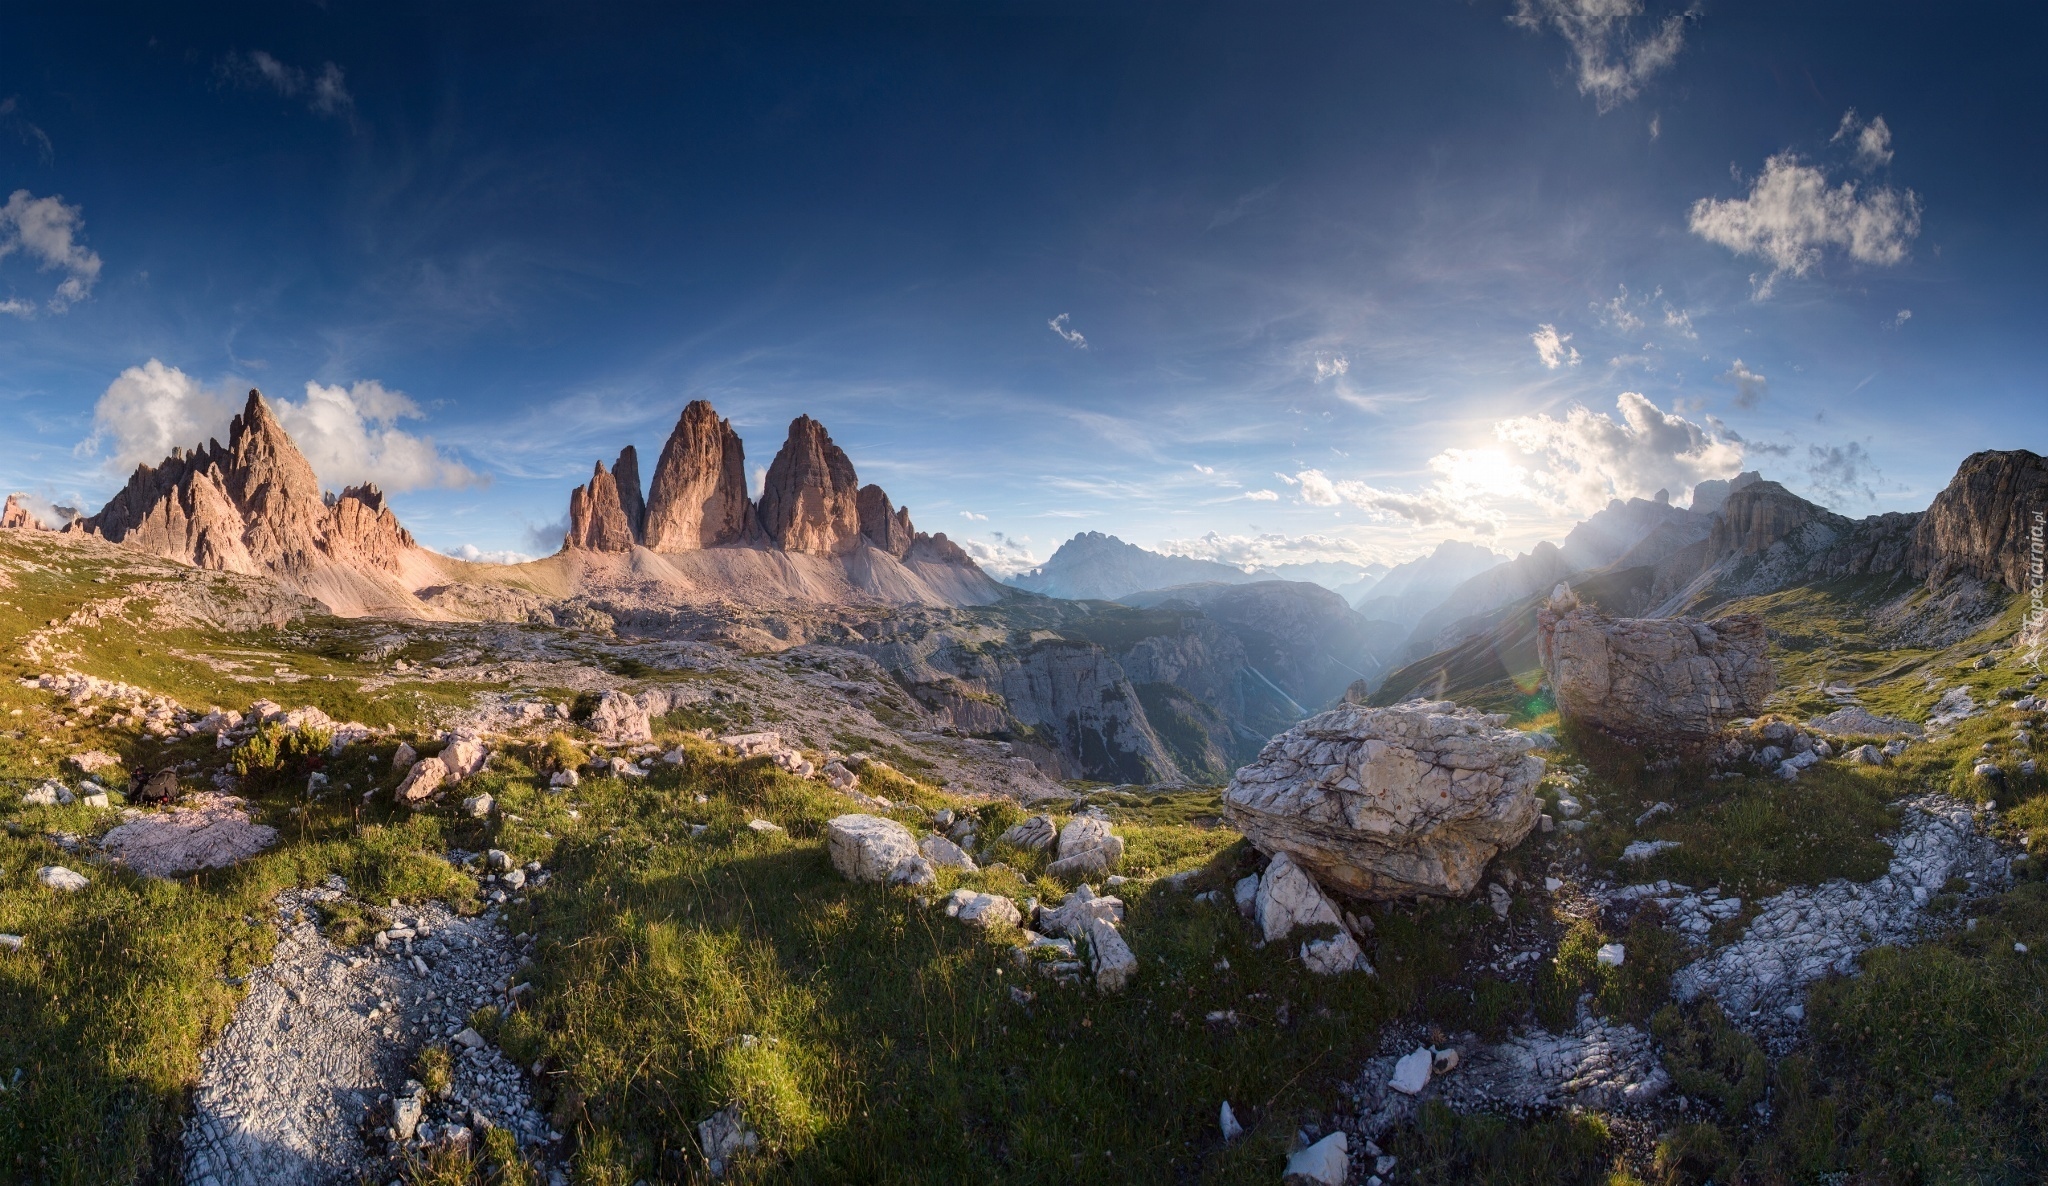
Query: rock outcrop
[886, 527]
[17, 517]
[1652, 678]
[253, 506]
[810, 501]
[1390, 802]
[597, 518]
[1983, 524]
[699, 496]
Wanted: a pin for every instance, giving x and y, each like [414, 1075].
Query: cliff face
[810, 501]
[626, 475]
[253, 506]
[699, 497]
[17, 516]
[1983, 524]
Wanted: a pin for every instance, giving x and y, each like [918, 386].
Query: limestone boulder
[1652, 678]
[426, 776]
[619, 717]
[870, 847]
[1390, 802]
[1288, 898]
[210, 831]
[1033, 835]
[1087, 848]
[982, 910]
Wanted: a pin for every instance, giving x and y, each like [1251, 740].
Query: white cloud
[1792, 215]
[1679, 322]
[1750, 386]
[1004, 555]
[1331, 366]
[1842, 473]
[973, 516]
[350, 436]
[325, 93]
[1059, 326]
[1904, 316]
[478, 555]
[150, 409]
[1872, 142]
[1207, 471]
[1613, 53]
[47, 230]
[1428, 508]
[1270, 550]
[1551, 347]
[1261, 496]
[1580, 462]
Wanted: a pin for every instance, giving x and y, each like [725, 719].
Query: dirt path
[298, 1090]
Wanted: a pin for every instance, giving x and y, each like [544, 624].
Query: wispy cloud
[48, 231]
[31, 135]
[974, 517]
[1059, 326]
[1842, 473]
[325, 92]
[1001, 554]
[1261, 496]
[1614, 51]
[1871, 142]
[1331, 366]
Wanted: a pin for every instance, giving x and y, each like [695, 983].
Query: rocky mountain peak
[597, 519]
[252, 506]
[1981, 525]
[699, 496]
[1759, 515]
[17, 516]
[810, 502]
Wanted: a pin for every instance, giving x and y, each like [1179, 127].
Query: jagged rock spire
[699, 496]
[886, 528]
[626, 473]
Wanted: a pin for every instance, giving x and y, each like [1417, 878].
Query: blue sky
[1262, 282]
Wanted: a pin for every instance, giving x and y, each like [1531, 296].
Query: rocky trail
[309, 1084]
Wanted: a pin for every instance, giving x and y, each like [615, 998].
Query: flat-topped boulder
[1390, 802]
[1652, 678]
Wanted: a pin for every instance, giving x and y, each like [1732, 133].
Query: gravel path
[298, 1090]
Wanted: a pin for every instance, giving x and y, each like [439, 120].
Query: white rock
[478, 806]
[1643, 850]
[870, 847]
[10, 943]
[1411, 1074]
[763, 827]
[1072, 916]
[50, 794]
[564, 779]
[1445, 1061]
[1227, 1121]
[1611, 954]
[57, 877]
[1499, 899]
[1087, 848]
[1246, 892]
[513, 879]
[1334, 956]
[406, 1111]
[1390, 802]
[1112, 958]
[425, 777]
[464, 755]
[983, 910]
[1325, 1163]
[1032, 835]
[498, 859]
[675, 757]
[1288, 898]
[914, 870]
[404, 757]
[945, 854]
[469, 1039]
[1552, 885]
[724, 1137]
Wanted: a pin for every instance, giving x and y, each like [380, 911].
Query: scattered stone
[463, 756]
[1412, 1073]
[1655, 810]
[1325, 1163]
[1032, 835]
[1498, 897]
[724, 1137]
[1443, 1063]
[983, 910]
[1867, 755]
[945, 854]
[402, 760]
[10, 943]
[1652, 678]
[1111, 957]
[469, 1039]
[1072, 916]
[621, 718]
[763, 827]
[93, 761]
[57, 877]
[1087, 848]
[424, 779]
[50, 794]
[1227, 1121]
[1642, 850]
[564, 779]
[873, 848]
[478, 806]
[1390, 802]
[1611, 955]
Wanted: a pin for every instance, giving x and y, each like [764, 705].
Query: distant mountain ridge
[1097, 567]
